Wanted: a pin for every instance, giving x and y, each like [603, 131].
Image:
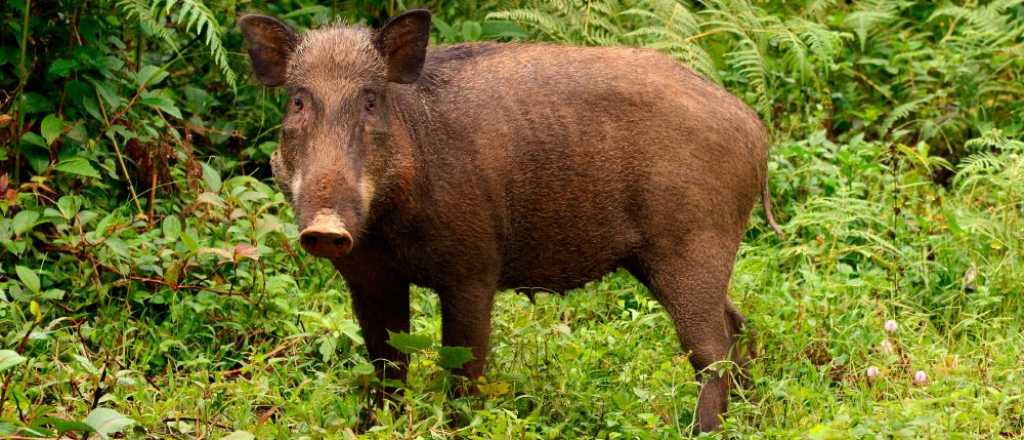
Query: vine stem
[117, 149]
[19, 350]
[127, 177]
[23, 73]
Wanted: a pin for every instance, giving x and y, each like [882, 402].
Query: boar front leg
[382, 305]
[466, 322]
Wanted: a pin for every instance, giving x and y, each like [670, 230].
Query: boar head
[341, 147]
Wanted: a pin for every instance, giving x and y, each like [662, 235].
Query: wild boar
[477, 167]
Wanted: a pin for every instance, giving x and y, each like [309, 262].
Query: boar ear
[271, 43]
[403, 44]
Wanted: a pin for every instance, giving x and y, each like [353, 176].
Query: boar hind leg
[381, 306]
[466, 322]
[691, 284]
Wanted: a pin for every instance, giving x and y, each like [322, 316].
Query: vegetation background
[150, 286]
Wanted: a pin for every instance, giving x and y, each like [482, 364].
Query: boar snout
[326, 236]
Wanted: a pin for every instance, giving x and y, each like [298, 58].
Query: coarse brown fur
[482, 167]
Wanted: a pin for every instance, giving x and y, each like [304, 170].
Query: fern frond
[195, 17]
[200, 20]
[818, 7]
[143, 12]
[978, 168]
[990, 25]
[994, 139]
[870, 16]
[901, 111]
[542, 21]
[748, 61]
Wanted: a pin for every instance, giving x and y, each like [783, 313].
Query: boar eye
[297, 103]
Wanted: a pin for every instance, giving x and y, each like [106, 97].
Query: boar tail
[766, 202]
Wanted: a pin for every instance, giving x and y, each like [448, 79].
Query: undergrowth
[150, 286]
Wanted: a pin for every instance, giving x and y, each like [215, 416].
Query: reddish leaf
[243, 250]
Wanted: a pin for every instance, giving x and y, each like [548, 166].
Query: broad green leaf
[327, 348]
[502, 29]
[181, 426]
[363, 369]
[10, 358]
[91, 106]
[120, 130]
[407, 343]
[108, 93]
[951, 220]
[34, 140]
[33, 102]
[54, 294]
[51, 128]
[118, 246]
[189, 238]
[239, 435]
[86, 364]
[78, 90]
[454, 357]
[268, 147]
[68, 206]
[471, 31]
[77, 132]
[109, 63]
[161, 102]
[62, 67]
[79, 166]
[493, 389]
[211, 199]
[38, 159]
[211, 178]
[28, 277]
[172, 227]
[106, 223]
[24, 221]
[35, 149]
[443, 27]
[150, 75]
[197, 99]
[266, 224]
[107, 421]
[62, 425]
[349, 328]
[20, 431]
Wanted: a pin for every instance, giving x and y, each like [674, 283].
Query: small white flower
[920, 378]
[887, 347]
[873, 372]
[891, 326]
